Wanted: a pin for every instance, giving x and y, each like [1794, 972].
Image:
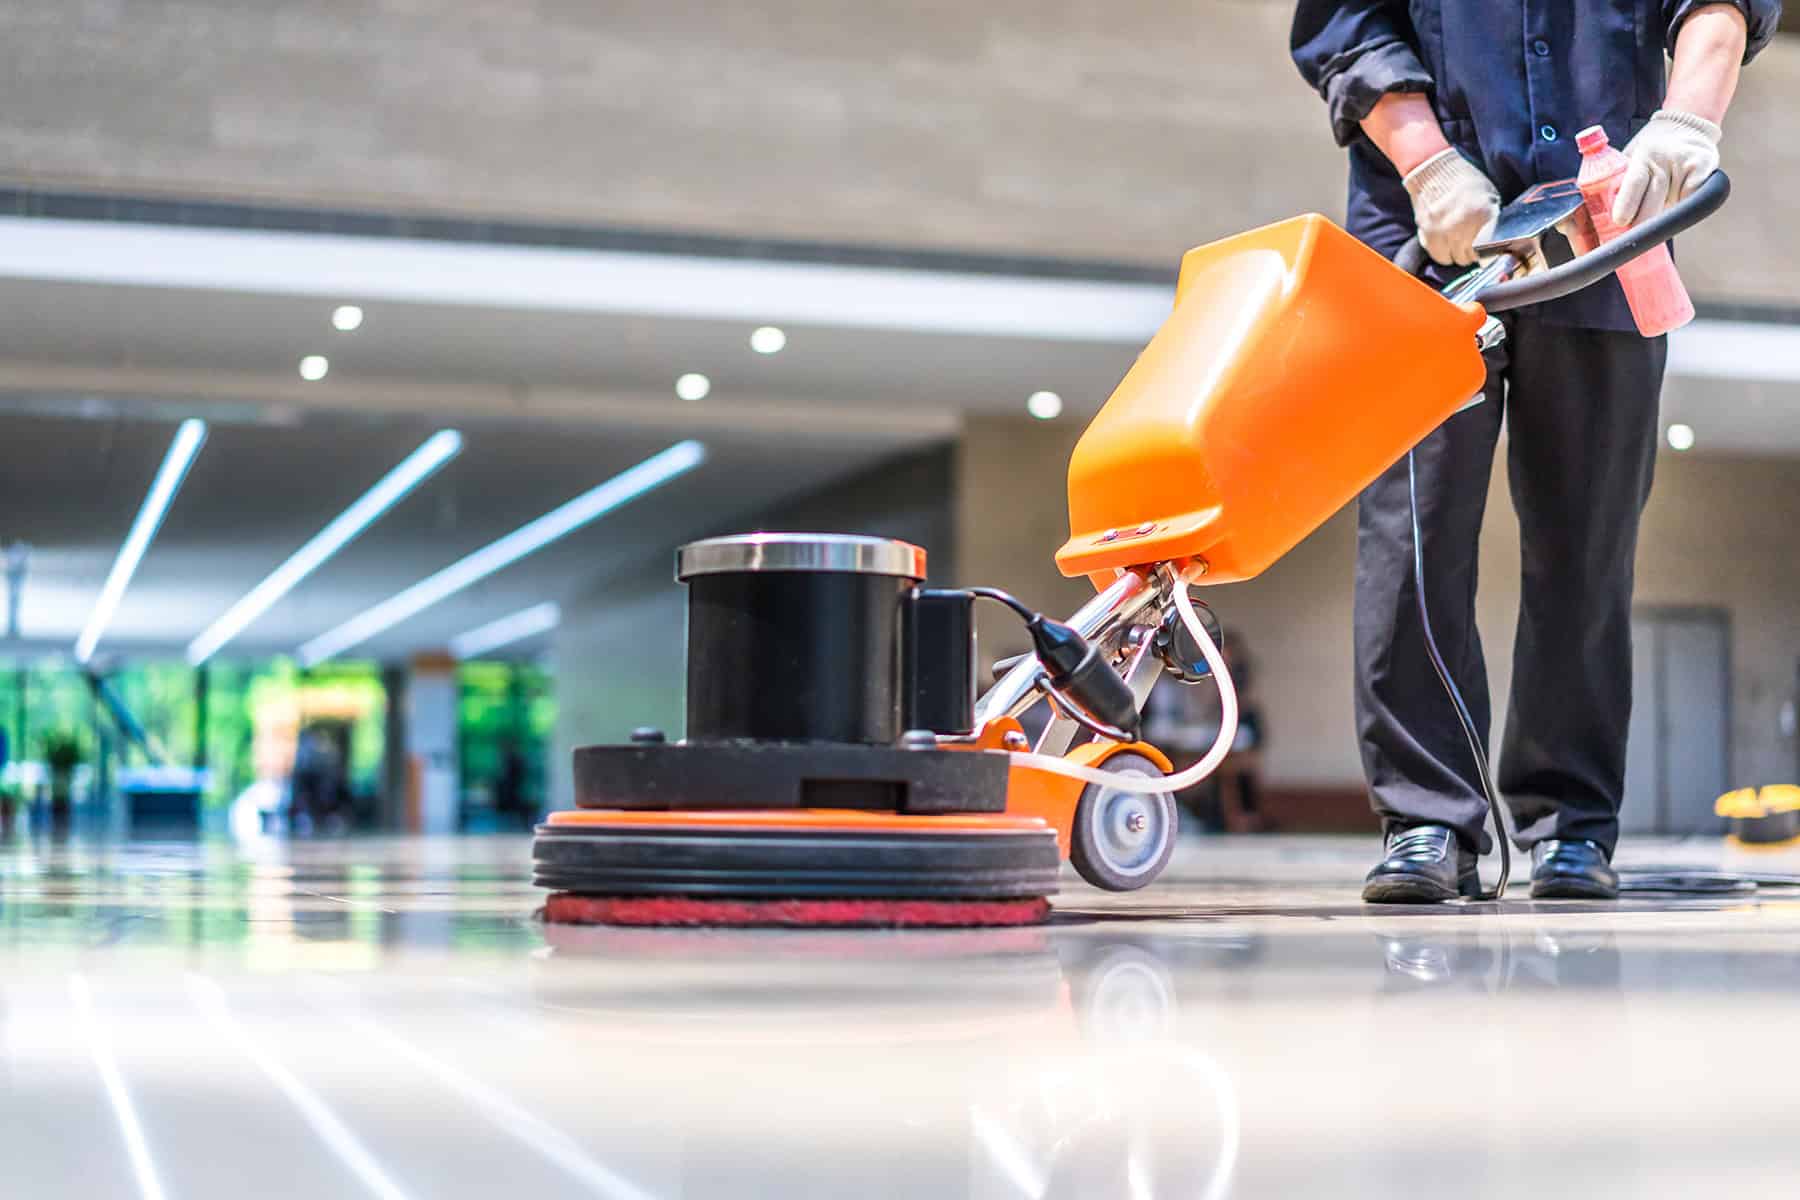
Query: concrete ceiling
[597, 338]
[71, 337]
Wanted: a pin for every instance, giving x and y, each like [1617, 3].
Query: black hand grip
[1412, 258]
[1596, 265]
[1592, 267]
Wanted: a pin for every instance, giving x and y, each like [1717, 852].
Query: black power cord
[1693, 881]
[1075, 669]
[1450, 689]
[1025, 611]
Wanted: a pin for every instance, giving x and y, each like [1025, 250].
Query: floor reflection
[1055, 1063]
[385, 1017]
[1521, 958]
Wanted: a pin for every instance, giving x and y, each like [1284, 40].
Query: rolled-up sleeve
[1760, 16]
[1353, 54]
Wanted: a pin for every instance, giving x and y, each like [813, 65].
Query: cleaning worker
[1446, 110]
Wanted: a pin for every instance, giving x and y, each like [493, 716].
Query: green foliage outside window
[254, 710]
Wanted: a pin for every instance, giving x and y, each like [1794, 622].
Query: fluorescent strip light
[393, 487]
[188, 440]
[539, 618]
[621, 489]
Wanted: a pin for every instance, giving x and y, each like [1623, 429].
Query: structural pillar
[22, 679]
[395, 769]
[202, 693]
[433, 791]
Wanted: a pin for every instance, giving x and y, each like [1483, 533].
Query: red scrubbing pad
[574, 909]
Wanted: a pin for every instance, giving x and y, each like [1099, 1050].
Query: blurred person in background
[320, 787]
[1184, 721]
[512, 807]
[1446, 110]
[1239, 776]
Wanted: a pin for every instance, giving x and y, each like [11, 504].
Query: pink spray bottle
[1653, 289]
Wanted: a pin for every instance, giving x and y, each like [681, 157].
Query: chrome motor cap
[837, 552]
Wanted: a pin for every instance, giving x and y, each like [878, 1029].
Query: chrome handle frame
[1472, 284]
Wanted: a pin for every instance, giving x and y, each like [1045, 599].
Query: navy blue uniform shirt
[1511, 81]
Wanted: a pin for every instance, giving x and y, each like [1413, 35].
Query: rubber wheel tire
[1106, 854]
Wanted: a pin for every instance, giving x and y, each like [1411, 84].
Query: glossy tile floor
[385, 1018]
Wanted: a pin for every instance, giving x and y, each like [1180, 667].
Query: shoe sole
[1405, 891]
[1571, 889]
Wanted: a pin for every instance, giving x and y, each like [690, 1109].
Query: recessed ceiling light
[693, 386]
[1681, 437]
[767, 340]
[313, 367]
[346, 317]
[1045, 406]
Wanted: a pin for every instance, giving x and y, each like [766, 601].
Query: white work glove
[1454, 206]
[1670, 157]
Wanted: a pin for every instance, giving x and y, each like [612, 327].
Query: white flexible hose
[1137, 785]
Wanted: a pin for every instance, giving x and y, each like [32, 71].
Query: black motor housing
[795, 656]
[822, 638]
[810, 657]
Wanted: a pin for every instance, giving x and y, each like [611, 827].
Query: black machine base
[637, 861]
[779, 775]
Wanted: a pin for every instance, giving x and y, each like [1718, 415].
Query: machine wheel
[1122, 840]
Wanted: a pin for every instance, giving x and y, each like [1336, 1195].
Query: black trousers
[1580, 407]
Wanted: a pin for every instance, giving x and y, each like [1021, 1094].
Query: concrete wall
[619, 664]
[1719, 532]
[1726, 533]
[1116, 128]
[1011, 517]
[620, 653]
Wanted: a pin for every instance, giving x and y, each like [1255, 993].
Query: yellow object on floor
[1770, 817]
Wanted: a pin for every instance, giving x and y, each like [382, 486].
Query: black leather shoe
[1424, 865]
[1572, 871]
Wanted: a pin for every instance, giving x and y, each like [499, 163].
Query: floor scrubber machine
[837, 767]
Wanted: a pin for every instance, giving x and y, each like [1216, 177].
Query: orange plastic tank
[1297, 365]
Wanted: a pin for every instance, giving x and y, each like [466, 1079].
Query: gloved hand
[1670, 157]
[1454, 206]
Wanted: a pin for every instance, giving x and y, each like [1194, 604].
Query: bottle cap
[1590, 139]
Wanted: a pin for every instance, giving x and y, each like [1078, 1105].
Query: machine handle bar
[1592, 267]
[1411, 257]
